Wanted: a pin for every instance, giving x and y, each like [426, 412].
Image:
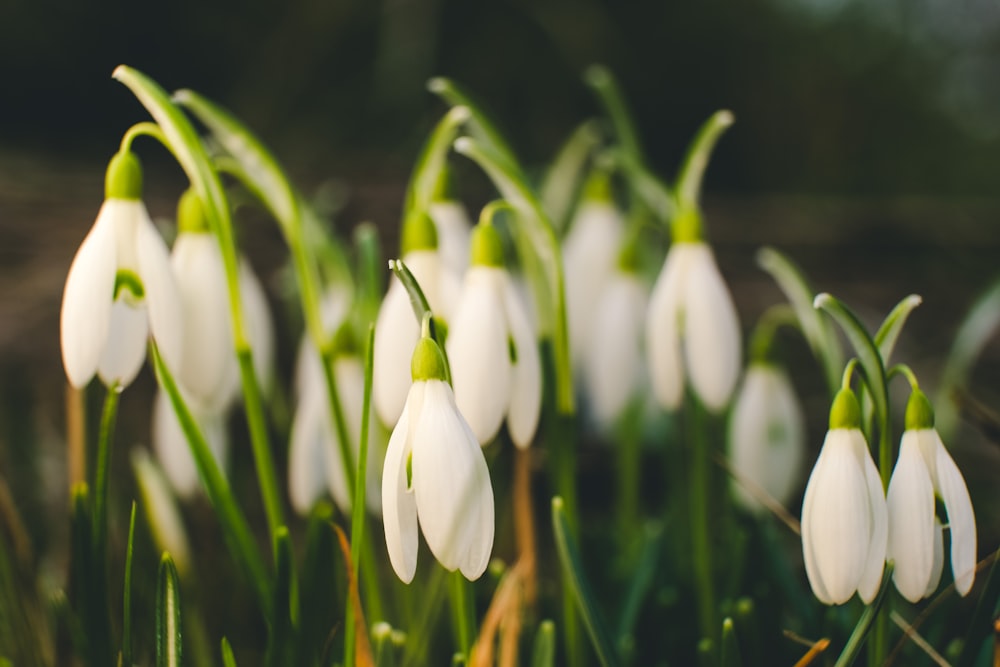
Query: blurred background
[866, 143]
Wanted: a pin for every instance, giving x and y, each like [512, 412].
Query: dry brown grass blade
[363, 656]
[814, 652]
[917, 639]
[760, 495]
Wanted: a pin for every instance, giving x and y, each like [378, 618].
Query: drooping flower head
[767, 432]
[398, 329]
[119, 289]
[925, 472]
[844, 518]
[435, 476]
[496, 369]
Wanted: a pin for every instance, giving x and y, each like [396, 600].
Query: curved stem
[767, 327]
[145, 128]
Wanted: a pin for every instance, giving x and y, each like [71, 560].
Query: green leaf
[569, 558]
[730, 646]
[282, 639]
[564, 179]
[540, 254]
[641, 581]
[127, 594]
[162, 514]
[864, 625]
[228, 659]
[817, 330]
[888, 332]
[603, 83]
[982, 619]
[480, 124]
[323, 587]
[168, 615]
[544, 652]
[235, 528]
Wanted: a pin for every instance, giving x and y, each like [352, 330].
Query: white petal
[613, 360]
[448, 479]
[454, 229]
[481, 542]
[260, 327]
[878, 535]
[809, 527]
[125, 348]
[839, 522]
[396, 334]
[162, 298]
[311, 449]
[87, 296]
[711, 330]
[399, 508]
[208, 369]
[590, 250]
[938, 566]
[663, 333]
[910, 502]
[961, 520]
[479, 353]
[766, 435]
[526, 382]
[172, 448]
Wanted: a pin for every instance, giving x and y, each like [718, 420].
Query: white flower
[767, 433]
[453, 229]
[171, 445]
[613, 365]
[692, 328]
[396, 323]
[844, 518]
[315, 463]
[119, 289]
[590, 251]
[435, 473]
[924, 470]
[496, 369]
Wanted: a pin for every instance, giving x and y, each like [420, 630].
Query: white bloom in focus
[397, 325]
[590, 251]
[496, 368]
[315, 463]
[924, 470]
[435, 474]
[171, 445]
[614, 363]
[692, 329]
[119, 289]
[767, 433]
[453, 229]
[844, 517]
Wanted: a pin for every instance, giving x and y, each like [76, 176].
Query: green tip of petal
[845, 411]
[486, 247]
[124, 177]
[419, 233]
[191, 213]
[428, 361]
[919, 413]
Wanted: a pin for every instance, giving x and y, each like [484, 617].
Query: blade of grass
[127, 594]
[168, 615]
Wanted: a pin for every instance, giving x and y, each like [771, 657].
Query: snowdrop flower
[924, 471]
[496, 368]
[397, 327]
[119, 289]
[435, 473]
[453, 230]
[844, 518]
[315, 463]
[614, 363]
[767, 433]
[590, 251]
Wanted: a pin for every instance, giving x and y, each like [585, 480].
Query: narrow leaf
[730, 645]
[228, 659]
[127, 593]
[480, 123]
[168, 615]
[431, 164]
[888, 332]
[603, 83]
[363, 649]
[564, 177]
[544, 652]
[323, 586]
[864, 626]
[282, 640]
[983, 617]
[569, 558]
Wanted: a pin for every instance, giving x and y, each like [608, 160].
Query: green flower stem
[701, 493]
[689, 181]
[360, 502]
[540, 253]
[564, 177]
[603, 82]
[102, 470]
[235, 528]
[906, 372]
[431, 164]
[767, 327]
[463, 613]
[629, 460]
[864, 625]
[126, 654]
[147, 129]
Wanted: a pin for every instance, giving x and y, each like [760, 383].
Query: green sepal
[919, 412]
[687, 227]
[419, 233]
[486, 246]
[598, 187]
[428, 362]
[845, 411]
[191, 214]
[168, 615]
[123, 179]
